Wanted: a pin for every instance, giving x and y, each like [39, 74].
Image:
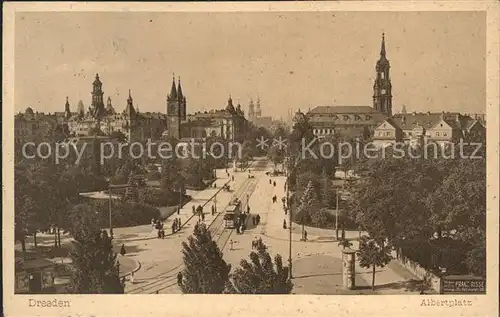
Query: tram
[232, 214]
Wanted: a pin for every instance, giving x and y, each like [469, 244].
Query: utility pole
[337, 215]
[288, 206]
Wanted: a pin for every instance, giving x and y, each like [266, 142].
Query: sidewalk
[392, 279]
[276, 215]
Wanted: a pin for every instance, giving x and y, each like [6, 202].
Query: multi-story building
[416, 128]
[357, 121]
[34, 127]
[228, 123]
[379, 124]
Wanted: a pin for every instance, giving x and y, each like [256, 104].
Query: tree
[260, 276]
[96, 270]
[276, 155]
[205, 271]
[131, 191]
[308, 199]
[373, 253]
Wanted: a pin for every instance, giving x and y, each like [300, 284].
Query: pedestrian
[178, 210]
[232, 178]
[253, 220]
[259, 243]
[173, 228]
[305, 235]
[179, 224]
[274, 184]
[122, 250]
[248, 209]
[213, 210]
[179, 278]
[258, 218]
[132, 278]
[162, 234]
[270, 181]
[202, 217]
[284, 224]
[194, 210]
[152, 222]
[231, 244]
[159, 234]
[254, 243]
[157, 292]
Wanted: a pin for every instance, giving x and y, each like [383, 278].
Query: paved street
[316, 263]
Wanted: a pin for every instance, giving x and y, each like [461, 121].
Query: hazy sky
[291, 60]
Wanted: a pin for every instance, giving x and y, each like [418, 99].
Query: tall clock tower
[174, 113]
[382, 88]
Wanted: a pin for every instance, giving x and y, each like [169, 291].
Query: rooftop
[342, 110]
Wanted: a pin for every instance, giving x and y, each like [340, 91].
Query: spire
[173, 90]
[130, 105]
[66, 108]
[382, 49]
[179, 90]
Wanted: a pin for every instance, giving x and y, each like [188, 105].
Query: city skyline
[309, 54]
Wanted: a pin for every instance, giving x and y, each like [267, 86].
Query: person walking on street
[202, 217]
[213, 210]
[179, 278]
[305, 235]
[274, 184]
[231, 244]
[179, 210]
[232, 178]
[194, 210]
[270, 181]
[284, 224]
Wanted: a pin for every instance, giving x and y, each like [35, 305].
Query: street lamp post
[110, 186]
[337, 215]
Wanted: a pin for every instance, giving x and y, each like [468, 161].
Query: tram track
[219, 233]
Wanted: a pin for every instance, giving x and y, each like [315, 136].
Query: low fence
[430, 279]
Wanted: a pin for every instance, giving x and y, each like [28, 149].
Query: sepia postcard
[341, 158]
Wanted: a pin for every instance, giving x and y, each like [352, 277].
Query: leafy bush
[126, 214]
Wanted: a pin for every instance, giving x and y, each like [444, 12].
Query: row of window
[344, 117]
[389, 133]
[323, 131]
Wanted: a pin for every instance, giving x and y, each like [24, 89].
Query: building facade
[228, 123]
[419, 128]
